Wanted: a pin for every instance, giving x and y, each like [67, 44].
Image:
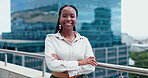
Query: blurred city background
[98, 20]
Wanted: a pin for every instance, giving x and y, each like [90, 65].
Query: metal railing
[25, 54]
[134, 70]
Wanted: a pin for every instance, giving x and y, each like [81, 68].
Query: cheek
[74, 20]
[61, 20]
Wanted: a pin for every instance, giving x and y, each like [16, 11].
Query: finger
[54, 56]
[94, 63]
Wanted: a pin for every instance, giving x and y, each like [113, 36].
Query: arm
[86, 65]
[88, 68]
[54, 64]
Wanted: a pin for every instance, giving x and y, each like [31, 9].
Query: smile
[68, 23]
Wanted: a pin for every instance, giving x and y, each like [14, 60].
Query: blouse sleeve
[85, 69]
[57, 65]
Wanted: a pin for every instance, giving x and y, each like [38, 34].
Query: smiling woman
[73, 14]
[67, 53]
[4, 16]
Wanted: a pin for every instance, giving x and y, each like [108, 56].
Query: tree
[141, 60]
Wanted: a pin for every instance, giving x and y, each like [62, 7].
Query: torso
[71, 50]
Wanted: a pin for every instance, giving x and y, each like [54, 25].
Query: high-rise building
[99, 31]
[99, 20]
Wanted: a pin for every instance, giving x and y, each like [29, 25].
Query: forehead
[68, 10]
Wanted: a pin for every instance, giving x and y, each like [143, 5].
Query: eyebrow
[70, 13]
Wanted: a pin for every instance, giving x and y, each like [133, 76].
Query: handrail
[136, 70]
[26, 54]
[23, 53]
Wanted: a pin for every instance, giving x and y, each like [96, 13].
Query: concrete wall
[15, 71]
[9, 74]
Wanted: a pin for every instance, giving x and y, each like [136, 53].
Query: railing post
[13, 60]
[43, 68]
[5, 59]
[121, 75]
[23, 60]
[127, 51]
[94, 73]
[106, 57]
[117, 49]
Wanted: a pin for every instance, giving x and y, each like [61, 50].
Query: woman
[67, 53]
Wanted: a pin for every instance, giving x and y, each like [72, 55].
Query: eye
[72, 16]
[64, 15]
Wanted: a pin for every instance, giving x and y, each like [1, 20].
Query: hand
[55, 56]
[89, 60]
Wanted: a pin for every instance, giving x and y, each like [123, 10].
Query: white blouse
[68, 53]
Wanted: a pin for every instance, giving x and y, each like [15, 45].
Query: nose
[68, 18]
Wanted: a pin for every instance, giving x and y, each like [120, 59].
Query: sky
[134, 17]
[4, 16]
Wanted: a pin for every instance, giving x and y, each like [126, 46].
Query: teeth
[68, 23]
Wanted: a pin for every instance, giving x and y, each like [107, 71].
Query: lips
[68, 24]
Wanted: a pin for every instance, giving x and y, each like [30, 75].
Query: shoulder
[84, 38]
[50, 36]
[80, 36]
[53, 35]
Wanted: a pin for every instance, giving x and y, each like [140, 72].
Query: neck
[68, 34]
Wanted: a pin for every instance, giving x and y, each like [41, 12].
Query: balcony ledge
[15, 71]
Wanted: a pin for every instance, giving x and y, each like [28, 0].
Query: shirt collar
[78, 36]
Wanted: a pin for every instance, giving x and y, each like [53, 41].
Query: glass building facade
[98, 20]
[33, 19]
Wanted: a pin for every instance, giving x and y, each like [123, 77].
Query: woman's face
[68, 18]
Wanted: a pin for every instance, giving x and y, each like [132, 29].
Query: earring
[60, 27]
